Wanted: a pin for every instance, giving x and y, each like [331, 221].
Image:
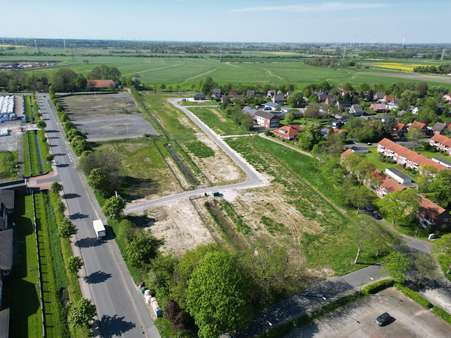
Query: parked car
[217, 194]
[433, 236]
[376, 215]
[384, 319]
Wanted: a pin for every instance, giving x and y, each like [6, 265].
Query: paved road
[120, 308]
[253, 177]
[315, 297]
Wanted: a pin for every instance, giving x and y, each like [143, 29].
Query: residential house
[432, 216]
[343, 105]
[387, 186]
[330, 100]
[289, 132]
[442, 162]
[441, 142]
[419, 125]
[400, 129]
[405, 157]
[266, 119]
[200, 97]
[270, 93]
[337, 124]
[439, 127]
[271, 106]
[378, 107]
[388, 98]
[249, 111]
[378, 96]
[101, 84]
[356, 110]
[322, 96]
[216, 94]
[398, 176]
[279, 98]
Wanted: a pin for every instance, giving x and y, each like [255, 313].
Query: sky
[411, 21]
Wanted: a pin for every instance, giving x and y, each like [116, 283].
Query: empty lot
[358, 320]
[107, 117]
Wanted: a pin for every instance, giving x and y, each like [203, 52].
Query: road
[120, 308]
[253, 178]
[320, 294]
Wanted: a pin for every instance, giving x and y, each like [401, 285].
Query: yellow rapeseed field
[404, 67]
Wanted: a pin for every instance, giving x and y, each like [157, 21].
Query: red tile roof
[391, 185]
[389, 98]
[346, 153]
[442, 139]
[400, 126]
[410, 155]
[99, 84]
[378, 106]
[290, 131]
[429, 208]
[418, 125]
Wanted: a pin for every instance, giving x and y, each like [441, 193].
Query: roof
[291, 131]
[347, 153]
[389, 98]
[7, 198]
[400, 126]
[6, 249]
[4, 323]
[439, 126]
[429, 208]
[391, 185]
[410, 155]
[378, 106]
[398, 173]
[101, 84]
[418, 125]
[266, 115]
[442, 139]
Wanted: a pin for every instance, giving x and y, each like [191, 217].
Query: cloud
[314, 7]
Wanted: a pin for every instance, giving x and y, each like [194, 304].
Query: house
[330, 100]
[439, 127]
[271, 106]
[388, 98]
[278, 98]
[387, 186]
[392, 105]
[442, 162]
[249, 111]
[216, 94]
[343, 105]
[398, 176]
[447, 98]
[441, 142]
[378, 107]
[101, 84]
[400, 129]
[266, 119]
[289, 132]
[405, 157]
[199, 97]
[348, 152]
[356, 110]
[433, 216]
[322, 96]
[418, 125]
[270, 93]
[378, 96]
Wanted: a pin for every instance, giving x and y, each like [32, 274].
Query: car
[376, 215]
[384, 319]
[217, 194]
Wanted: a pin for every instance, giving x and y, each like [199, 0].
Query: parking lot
[10, 142]
[107, 116]
[358, 320]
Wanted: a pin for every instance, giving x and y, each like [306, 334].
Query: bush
[415, 296]
[378, 286]
[439, 312]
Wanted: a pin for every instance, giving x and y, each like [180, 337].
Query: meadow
[186, 72]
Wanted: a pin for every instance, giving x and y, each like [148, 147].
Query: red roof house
[101, 84]
[441, 142]
[289, 132]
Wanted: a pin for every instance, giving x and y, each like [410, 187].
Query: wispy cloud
[314, 7]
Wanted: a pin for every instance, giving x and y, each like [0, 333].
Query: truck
[99, 228]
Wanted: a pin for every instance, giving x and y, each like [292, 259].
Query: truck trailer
[99, 228]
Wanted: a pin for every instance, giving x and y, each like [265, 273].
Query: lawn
[8, 165]
[316, 196]
[199, 149]
[374, 158]
[187, 71]
[21, 291]
[218, 121]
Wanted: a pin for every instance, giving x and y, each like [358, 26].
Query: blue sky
[232, 20]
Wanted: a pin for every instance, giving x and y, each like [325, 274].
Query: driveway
[357, 320]
[253, 177]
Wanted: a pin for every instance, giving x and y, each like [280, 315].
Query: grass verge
[8, 165]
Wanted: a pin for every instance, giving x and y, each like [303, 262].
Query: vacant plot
[218, 121]
[107, 117]
[358, 320]
[327, 235]
[143, 170]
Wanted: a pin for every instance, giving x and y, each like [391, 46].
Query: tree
[75, 264]
[65, 79]
[296, 100]
[400, 207]
[56, 187]
[41, 124]
[142, 248]
[114, 206]
[207, 86]
[67, 228]
[217, 295]
[310, 136]
[440, 188]
[357, 196]
[104, 72]
[313, 111]
[397, 265]
[415, 134]
[98, 180]
[81, 313]
[289, 117]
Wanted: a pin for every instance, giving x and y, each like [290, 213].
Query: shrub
[415, 296]
[375, 287]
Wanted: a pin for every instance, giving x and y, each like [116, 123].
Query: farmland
[218, 121]
[398, 66]
[185, 72]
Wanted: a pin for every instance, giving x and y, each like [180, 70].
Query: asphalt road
[120, 308]
[253, 177]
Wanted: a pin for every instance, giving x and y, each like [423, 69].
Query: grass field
[21, 291]
[317, 197]
[218, 121]
[35, 153]
[8, 162]
[187, 71]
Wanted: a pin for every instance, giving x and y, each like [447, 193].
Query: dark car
[384, 319]
[376, 215]
[217, 194]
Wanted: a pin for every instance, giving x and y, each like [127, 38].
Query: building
[289, 132]
[398, 176]
[271, 106]
[447, 98]
[400, 129]
[7, 105]
[330, 100]
[279, 97]
[356, 110]
[441, 142]
[266, 119]
[101, 84]
[216, 94]
[387, 186]
[378, 107]
[442, 162]
[432, 216]
[418, 125]
[439, 127]
[405, 157]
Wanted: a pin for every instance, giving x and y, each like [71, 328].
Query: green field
[8, 162]
[317, 197]
[35, 152]
[218, 121]
[187, 71]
